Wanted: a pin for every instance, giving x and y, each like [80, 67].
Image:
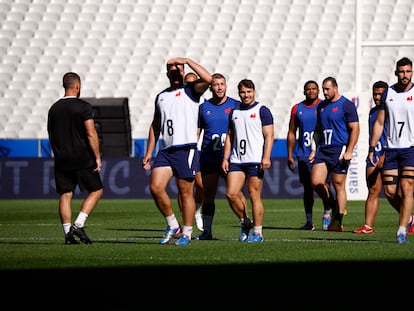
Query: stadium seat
[129, 42]
[10, 133]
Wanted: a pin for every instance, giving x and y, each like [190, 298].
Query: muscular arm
[268, 133]
[227, 149]
[353, 139]
[377, 128]
[153, 135]
[291, 142]
[315, 142]
[93, 142]
[201, 84]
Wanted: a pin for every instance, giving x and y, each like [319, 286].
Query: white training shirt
[399, 107]
[179, 118]
[248, 135]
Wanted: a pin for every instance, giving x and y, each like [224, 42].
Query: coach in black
[75, 145]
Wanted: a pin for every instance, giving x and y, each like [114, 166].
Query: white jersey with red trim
[179, 117]
[247, 124]
[399, 109]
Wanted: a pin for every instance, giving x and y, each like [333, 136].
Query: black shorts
[208, 168]
[305, 170]
[67, 180]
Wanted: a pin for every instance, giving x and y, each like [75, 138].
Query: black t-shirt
[67, 133]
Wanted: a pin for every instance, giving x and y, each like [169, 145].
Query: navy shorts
[198, 168]
[248, 169]
[183, 161]
[67, 180]
[330, 156]
[395, 159]
[368, 162]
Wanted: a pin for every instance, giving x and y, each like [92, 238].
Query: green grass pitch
[125, 249]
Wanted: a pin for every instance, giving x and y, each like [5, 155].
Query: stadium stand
[119, 47]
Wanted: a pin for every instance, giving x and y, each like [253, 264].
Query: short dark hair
[380, 85]
[69, 79]
[403, 62]
[331, 79]
[246, 83]
[310, 82]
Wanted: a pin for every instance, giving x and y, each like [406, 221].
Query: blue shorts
[248, 169]
[305, 171]
[368, 162]
[198, 168]
[396, 158]
[330, 156]
[183, 161]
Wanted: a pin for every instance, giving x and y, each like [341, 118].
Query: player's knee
[155, 188]
[231, 196]
[389, 180]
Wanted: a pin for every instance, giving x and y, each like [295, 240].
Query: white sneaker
[199, 219]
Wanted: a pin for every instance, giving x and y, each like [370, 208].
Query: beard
[176, 78]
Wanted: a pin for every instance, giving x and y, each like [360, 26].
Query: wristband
[371, 149]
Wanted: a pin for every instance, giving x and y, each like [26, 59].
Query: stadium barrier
[124, 178]
[23, 178]
[40, 148]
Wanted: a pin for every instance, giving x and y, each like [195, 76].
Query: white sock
[81, 219]
[172, 221]
[66, 227]
[402, 229]
[258, 229]
[188, 230]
